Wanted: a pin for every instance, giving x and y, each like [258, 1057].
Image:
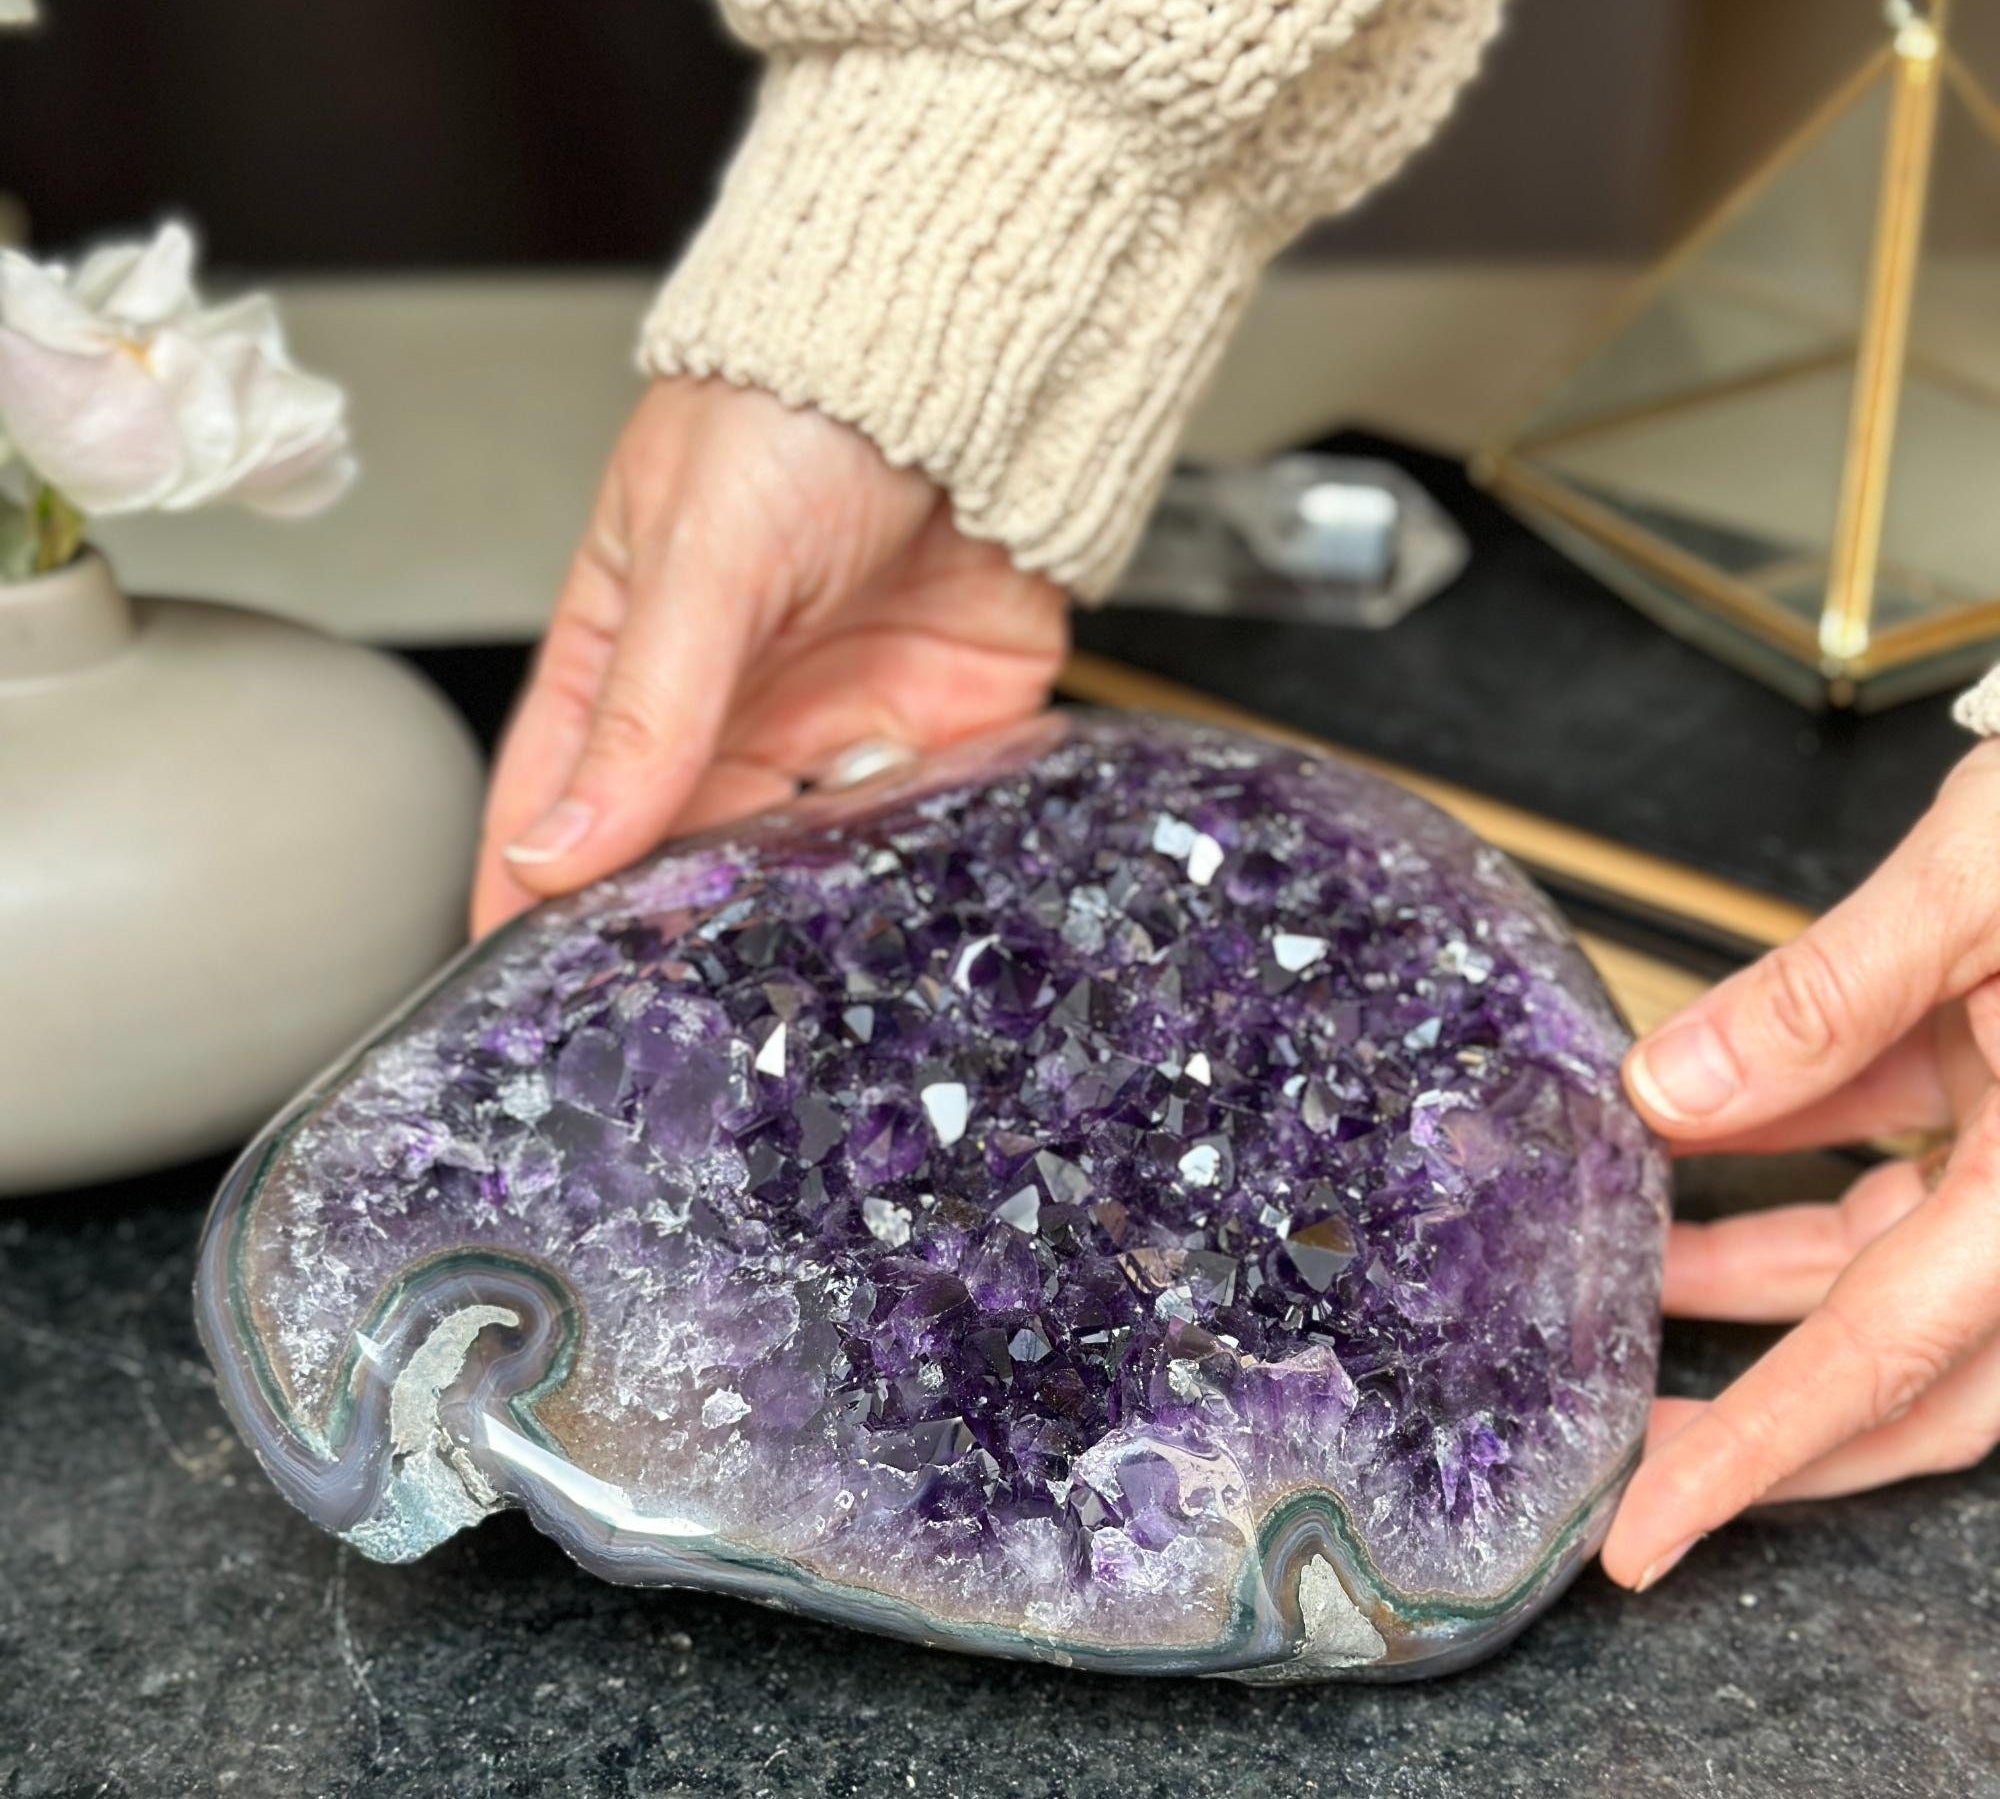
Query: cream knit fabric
[1007, 239]
[1978, 708]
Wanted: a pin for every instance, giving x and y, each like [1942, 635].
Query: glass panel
[1746, 482]
[1716, 420]
[1941, 535]
[1783, 282]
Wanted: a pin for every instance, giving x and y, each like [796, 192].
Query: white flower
[126, 394]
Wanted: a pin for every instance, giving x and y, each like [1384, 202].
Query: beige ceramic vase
[228, 845]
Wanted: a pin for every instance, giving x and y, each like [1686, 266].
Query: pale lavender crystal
[1129, 1194]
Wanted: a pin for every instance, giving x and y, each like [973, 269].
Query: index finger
[1805, 1020]
[551, 723]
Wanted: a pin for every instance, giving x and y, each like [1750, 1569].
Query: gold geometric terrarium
[1785, 445]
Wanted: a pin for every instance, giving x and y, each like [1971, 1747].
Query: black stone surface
[169, 1626]
[1530, 681]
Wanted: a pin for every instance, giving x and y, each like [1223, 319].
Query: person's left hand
[1883, 1018]
[760, 599]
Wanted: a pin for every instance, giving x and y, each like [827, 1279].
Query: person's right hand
[1882, 1019]
[758, 592]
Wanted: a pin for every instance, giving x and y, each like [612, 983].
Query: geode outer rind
[1126, 1194]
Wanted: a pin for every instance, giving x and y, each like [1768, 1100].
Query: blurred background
[464, 206]
[458, 134]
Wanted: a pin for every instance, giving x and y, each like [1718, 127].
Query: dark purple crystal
[1127, 1193]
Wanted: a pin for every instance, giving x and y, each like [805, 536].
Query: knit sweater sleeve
[1007, 239]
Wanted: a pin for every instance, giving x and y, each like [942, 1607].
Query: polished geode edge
[433, 1426]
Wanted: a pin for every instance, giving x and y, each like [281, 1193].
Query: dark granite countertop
[168, 1626]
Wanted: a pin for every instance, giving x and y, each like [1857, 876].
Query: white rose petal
[121, 390]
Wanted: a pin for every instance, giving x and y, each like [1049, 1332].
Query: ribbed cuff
[990, 277]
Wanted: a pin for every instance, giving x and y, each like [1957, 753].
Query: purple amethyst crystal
[1127, 1194]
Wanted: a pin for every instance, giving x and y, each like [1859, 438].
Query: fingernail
[1658, 1571]
[558, 831]
[1686, 1071]
[863, 761]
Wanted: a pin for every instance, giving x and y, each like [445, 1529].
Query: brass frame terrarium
[1832, 616]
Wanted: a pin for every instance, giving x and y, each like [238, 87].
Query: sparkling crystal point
[1128, 1194]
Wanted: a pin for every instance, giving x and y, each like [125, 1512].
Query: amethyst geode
[1127, 1194]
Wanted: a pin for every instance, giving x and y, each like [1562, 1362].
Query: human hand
[758, 591]
[1883, 1018]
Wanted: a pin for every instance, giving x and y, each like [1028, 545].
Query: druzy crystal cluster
[1128, 1194]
